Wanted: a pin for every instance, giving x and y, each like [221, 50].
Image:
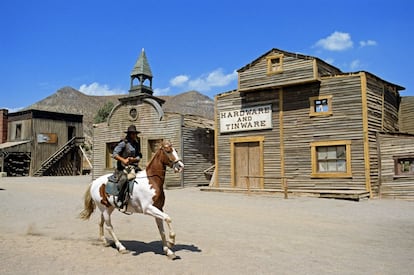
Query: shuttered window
[331, 159]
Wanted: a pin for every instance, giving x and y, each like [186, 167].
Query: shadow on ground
[136, 247]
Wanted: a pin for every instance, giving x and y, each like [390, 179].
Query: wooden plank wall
[42, 151]
[406, 114]
[198, 150]
[26, 130]
[393, 186]
[383, 104]
[300, 130]
[234, 101]
[324, 69]
[378, 99]
[169, 128]
[295, 70]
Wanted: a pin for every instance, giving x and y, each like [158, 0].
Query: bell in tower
[141, 76]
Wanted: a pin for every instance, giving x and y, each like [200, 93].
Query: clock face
[133, 114]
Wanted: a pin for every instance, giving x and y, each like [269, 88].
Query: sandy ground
[217, 233]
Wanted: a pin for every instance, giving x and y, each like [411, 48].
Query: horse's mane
[162, 144]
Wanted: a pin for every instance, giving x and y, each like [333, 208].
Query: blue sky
[92, 46]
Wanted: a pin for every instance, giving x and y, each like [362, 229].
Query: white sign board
[246, 119]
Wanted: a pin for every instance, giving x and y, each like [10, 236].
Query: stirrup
[123, 210]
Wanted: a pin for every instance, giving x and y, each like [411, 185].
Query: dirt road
[217, 233]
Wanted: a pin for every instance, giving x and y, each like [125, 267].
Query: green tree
[103, 112]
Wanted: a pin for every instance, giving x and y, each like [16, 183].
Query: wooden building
[192, 136]
[299, 119]
[42, 143]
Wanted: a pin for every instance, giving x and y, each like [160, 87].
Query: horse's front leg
[107, 218]
[166, 245]
[171, 241]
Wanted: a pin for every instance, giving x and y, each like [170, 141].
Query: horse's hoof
[172, 256]
[123, 250]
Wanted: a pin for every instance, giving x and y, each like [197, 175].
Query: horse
[147, 197]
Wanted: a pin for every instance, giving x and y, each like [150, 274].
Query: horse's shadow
[136, 247]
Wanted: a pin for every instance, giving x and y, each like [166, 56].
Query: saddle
[121, 194]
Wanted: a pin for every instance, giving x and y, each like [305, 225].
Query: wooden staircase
[58, 155]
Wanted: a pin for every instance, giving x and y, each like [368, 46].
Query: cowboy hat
[132, 129]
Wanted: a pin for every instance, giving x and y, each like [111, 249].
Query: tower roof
[141, 66]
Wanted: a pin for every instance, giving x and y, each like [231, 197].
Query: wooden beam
[281, 135]
[365, 132]
[216, 133]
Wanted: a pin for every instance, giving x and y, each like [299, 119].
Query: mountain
[70, 100]
[192, 103]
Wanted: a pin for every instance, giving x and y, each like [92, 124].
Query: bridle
[171, 163]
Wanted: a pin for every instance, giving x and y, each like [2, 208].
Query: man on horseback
[128, 154]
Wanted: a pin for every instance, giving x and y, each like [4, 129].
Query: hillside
[69, 100]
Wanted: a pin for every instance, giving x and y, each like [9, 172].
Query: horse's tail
[89, 205]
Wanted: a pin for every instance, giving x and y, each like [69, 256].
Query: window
[404, 166]
[133, 114]
[275, 64]
[320, 105]
[331, 159]
[153, 145]
[110, 161]
[18, 133]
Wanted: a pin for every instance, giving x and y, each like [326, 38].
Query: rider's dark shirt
[127, 148]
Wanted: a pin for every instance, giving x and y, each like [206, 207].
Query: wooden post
[248, 184]
[285, 187]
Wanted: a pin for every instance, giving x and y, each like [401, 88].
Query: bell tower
[141, 76]
[141, 87]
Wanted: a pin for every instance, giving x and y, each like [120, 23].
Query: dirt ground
[217, 233]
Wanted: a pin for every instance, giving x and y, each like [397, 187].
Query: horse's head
[174, 161]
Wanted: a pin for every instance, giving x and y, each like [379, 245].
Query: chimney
[3, 125]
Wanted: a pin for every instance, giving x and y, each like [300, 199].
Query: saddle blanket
[112, 187]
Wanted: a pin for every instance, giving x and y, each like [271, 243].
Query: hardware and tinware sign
[246, 119]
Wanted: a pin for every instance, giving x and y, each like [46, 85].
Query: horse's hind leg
[106, 216]
[165, 245]
[101, 231]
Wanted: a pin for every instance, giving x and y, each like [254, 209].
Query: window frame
[312, 105]
[270, 65]
[110, 162]
[18, 131]
[315, 164]
[397, 171]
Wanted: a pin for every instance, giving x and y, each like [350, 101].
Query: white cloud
[215, 78]
[179, 80]
[159, 91]
[203, 83]
[337, 41]
[367, 43]
[97, 89]
[355, 64]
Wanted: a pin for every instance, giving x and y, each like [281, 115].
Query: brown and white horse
[147, 197]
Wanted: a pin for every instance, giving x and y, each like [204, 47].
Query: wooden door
[247, 163]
